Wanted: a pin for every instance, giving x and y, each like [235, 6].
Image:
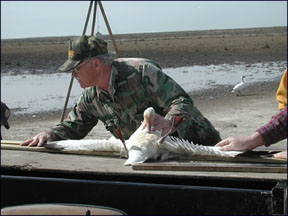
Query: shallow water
[38, 93]
[204, 77]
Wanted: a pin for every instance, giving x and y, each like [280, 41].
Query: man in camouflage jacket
[118, 91]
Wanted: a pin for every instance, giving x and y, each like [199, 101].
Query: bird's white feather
[112, 145]
[136, 156]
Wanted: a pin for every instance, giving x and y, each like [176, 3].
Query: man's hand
[281, 155]
[160, 123]
[232, 144]
[38, 140]
[241, 143]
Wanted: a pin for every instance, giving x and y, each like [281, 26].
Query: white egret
[239, 87]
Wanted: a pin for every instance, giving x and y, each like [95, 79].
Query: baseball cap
[81, 48]
[5, 114]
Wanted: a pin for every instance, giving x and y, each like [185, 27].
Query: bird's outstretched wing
[183, 147]
[112, 144]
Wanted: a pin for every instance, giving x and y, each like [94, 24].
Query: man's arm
[276, 129]
[164, 92]
[268, 134]
[80, 120]
[78, 124]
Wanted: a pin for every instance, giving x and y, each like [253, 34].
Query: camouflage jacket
[135, 84]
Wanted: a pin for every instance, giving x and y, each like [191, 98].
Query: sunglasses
[78, 67]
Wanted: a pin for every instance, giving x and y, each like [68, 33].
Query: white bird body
[141, 147]
[239, 87]
[143, 144]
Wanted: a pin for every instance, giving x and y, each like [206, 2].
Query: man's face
[85, 74]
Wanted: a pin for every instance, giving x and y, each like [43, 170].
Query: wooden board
[14, 145]
[11, 142]
[213, 167]
[238, 159]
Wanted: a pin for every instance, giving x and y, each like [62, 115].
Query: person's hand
[233, 144]
[38, 140]
[241, 143]
[160, 123]
[281, 155]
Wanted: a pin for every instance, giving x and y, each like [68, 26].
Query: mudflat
[230, 114]
[169, 49]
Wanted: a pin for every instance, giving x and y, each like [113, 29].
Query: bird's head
[149, 115]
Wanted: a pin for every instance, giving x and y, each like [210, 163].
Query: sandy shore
[230, 114]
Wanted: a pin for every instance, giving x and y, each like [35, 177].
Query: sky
[24, 19]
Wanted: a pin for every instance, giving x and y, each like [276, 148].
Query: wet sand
[230, 114]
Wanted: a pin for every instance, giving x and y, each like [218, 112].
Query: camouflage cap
[81, 48]
[5, 114]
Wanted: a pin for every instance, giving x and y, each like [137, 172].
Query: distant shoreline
[169, 49]
[234, 31]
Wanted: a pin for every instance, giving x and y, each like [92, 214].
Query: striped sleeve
[276, 129]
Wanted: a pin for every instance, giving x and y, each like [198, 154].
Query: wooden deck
[58, 162]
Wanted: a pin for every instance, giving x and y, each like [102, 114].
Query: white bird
[239, 87]
[143, 143]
